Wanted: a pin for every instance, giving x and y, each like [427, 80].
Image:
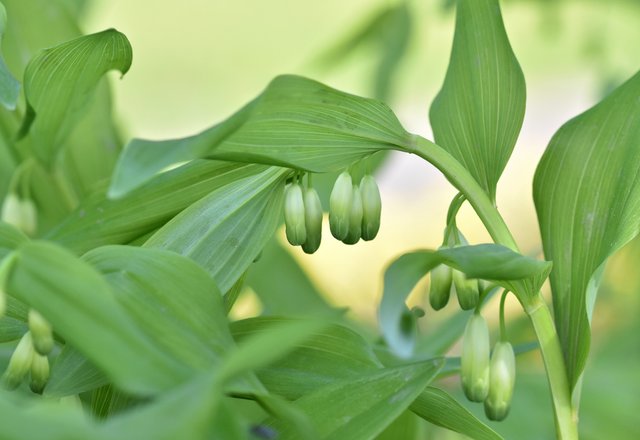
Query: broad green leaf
[297, 297]
[11, 329]
[9, 86]
[588, 202]
[59, 83]
[478, 113]
[361, 408]
[169, 296]
[332, 354]
[226, 230]
[107, 401]
[72, 373]
[440, 408]
[296, 122]
[82, 308]
[10, 238]
[406, 427]
[100, 221]
[518, 273]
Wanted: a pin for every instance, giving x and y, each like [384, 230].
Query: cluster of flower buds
[26, 359]
[354, 210]
[303, 217]
[20, 213]
[488, 378]
[443, 278]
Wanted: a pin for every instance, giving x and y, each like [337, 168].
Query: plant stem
[534, 305]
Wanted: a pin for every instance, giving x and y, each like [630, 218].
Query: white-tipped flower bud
[475, 359]
[294, 215]
[355, 218]
[440, 288]
[12, 210]
[29, 217]
[41, 332]
[371, 207]
[312, 220]
[466, 290]
[340, 206]
[502, 379]
[39, 373]
[20, 362]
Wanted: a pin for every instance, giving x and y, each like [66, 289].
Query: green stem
[534, 305]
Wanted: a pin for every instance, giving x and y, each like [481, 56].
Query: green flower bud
[371, 207]
[12, 210]
[502, 379]
[294, 215]
[340, 206]
[440, 288]
[466, 290]
[475, 359]
[29, 217]
[41, 332]
[312, 220]
[39, 373]
[20, 362]
[355, 218]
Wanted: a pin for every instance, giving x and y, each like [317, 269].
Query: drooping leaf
[332, 354]
[72, 373]
[479, 111]
[440, 408]
[226, 230]
[360, 408]
[9, 86]
[81, 307]
[296, 122]
[520, 274]
[587, 198]
[406, 427]
[59, 83]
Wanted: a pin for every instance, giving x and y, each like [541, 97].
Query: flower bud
[29, 217]
[312, 220]
[466, 290]
[20, 362]
[475, 359]
[39, 373]
[340, 206]
[12, 210]
[41, 332]
[371, 207]
[355, 218]
[502, 378]
[294, 215]
[440, 288]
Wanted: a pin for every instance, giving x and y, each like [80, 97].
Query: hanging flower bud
[12, 210]
[466, 290]
[371, 207]
[20, 362]
[312, 220]
[440, 288]
[29, 217]
[340, 206]
[355, 217]
[475, 359]
[502, 378]
[294, 215]
[41, 332]
[5, 267]
[39, 373]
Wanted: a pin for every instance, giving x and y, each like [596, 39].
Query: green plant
[119, 267]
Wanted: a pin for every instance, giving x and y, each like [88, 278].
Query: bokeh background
[198, 61]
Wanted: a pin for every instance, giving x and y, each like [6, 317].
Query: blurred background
[197, 63]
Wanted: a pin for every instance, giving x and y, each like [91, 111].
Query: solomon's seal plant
[120, 266]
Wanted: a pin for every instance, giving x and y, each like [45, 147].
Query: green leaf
[361, 408]
[59, 83]
[331, 354]
[440, 408]
[479, 111]
[11, 329]
[226, 230]
[100, 221]
[520, 274]
[587, 197]
[72, 373]
[9, 86]
[10, 238]
[296, 122]
[81, 307]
